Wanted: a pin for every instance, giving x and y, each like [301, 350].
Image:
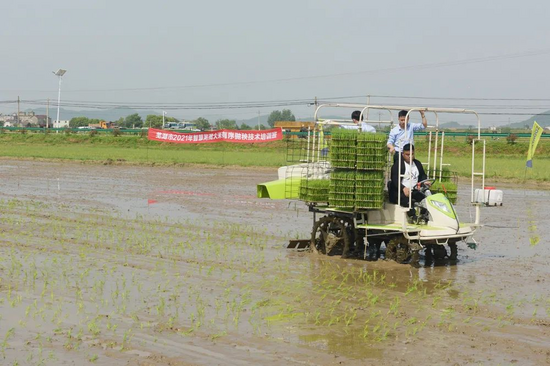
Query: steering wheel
[424, 185]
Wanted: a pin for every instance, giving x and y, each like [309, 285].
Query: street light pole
[59, 73]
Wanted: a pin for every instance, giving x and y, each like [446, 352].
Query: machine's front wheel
[330, 236]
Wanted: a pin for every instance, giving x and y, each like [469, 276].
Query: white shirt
[411, 178]
[365, 127]
[398, 138]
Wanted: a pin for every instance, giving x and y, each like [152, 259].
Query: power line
[297, 102]
[353, 73]
[375, 71]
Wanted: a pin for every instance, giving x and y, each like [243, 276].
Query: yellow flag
[535, 137]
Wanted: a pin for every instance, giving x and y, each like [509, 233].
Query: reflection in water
[351, 306]
[350, 344]
[534, 237]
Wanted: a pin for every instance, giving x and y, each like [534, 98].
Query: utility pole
[18, 120]
[258, 120]
[59, 73]
[48, 114]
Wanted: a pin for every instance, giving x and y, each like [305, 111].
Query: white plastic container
[489, 196]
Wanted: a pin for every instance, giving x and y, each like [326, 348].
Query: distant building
[27, 119]
[295, 126]
[24, 119]
[9, 120]
[60, 124]
[44, 120]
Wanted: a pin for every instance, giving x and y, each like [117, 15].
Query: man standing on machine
[397, 134]
[358, 123]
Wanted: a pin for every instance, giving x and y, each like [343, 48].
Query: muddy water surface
[180, 266]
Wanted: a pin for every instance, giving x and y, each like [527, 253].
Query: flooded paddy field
[123, 265]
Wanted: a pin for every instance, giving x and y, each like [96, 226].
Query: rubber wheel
[398, 250]
[439, 251]
[329, 236]
[373, 251]
[454, 252]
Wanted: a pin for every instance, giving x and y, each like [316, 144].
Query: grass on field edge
[505, 162]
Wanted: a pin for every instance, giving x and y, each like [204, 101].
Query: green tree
[229, 124]
[287, 115]
[284, 115]
[133, 121]
[76, 122]
[273, 117]
[244, 126]
[155, 121]
[202, 124]
[511, 138]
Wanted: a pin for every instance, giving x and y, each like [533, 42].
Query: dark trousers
[417, 196]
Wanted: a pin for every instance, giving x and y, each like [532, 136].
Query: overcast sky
[148, 53]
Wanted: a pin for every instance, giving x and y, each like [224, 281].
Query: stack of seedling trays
[342, 188]
[449, 189]
[315, 190]
[447, 186]
[369, 189]
[342, 148]
[342, 157]
[359, 161]
[372, 152]
[372, 157]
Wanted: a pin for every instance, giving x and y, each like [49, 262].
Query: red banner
[245, 136]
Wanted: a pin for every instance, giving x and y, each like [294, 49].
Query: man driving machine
[413, 173]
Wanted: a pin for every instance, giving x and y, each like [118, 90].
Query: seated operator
[414, 173]
[357, 119]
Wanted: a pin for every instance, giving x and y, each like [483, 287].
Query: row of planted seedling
[99, 280]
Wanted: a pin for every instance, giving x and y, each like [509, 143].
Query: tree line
[155, 121]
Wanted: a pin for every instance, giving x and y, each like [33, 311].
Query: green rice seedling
[4, 343]
[510, 308]
[342, 149]
[394, 307]
[342, 188]
[449, 189]
[315, 190]
[446, 174]
[371, 151]
[369, 189]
